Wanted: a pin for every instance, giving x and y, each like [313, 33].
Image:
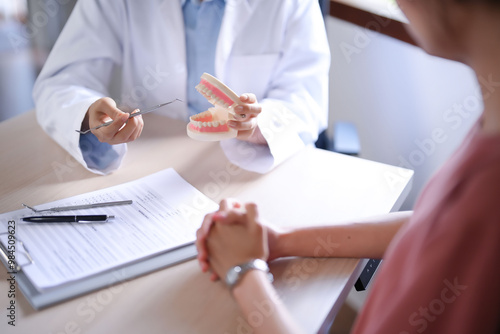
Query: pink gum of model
[211, 125]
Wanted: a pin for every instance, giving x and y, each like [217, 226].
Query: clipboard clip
[10, 260]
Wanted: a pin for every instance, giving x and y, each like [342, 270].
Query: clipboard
[40, 298]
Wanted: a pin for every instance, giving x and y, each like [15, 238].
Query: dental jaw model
[211, 125]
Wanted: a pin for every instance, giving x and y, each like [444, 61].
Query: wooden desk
[313, 187]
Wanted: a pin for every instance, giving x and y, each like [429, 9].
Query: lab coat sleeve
[76, 74]
[295, 107]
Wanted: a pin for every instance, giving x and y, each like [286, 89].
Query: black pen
[68, 219]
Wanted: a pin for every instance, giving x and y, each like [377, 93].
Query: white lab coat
[276, 49]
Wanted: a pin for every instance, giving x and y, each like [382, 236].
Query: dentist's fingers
[249, 125]
[248, 98]
[121, 130]
[249, 109]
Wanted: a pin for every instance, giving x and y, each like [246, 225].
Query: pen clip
[95, 221]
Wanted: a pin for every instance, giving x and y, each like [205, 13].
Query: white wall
[17, 73]
[411, 109]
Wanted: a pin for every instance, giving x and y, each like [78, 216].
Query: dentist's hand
[122, 130]
[246, 120]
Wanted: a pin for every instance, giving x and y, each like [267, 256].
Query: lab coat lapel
[236, 15]
[172, 10]
[176, 55]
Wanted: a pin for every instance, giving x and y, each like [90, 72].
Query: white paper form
[165, 214]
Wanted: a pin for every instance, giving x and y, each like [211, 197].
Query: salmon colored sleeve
[442, 273]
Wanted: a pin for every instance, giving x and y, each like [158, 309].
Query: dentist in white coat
[274, 49]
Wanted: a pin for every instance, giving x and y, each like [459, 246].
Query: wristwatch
[234, 274]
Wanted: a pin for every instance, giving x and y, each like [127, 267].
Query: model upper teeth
[211, 96]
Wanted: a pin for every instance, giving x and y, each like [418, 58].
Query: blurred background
[395, 95]
[28, 30]
[409, 109]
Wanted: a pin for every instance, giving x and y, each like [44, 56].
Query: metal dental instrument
[79, 207]
[140, 112]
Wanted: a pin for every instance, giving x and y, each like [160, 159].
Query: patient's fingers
[229, 204]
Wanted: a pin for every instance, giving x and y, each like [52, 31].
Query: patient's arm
[364, 239]
[367, 238]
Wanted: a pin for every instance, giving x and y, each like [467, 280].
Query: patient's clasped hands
[232, 236]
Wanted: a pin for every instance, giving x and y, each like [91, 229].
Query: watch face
[235, 273]
[232, 275]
